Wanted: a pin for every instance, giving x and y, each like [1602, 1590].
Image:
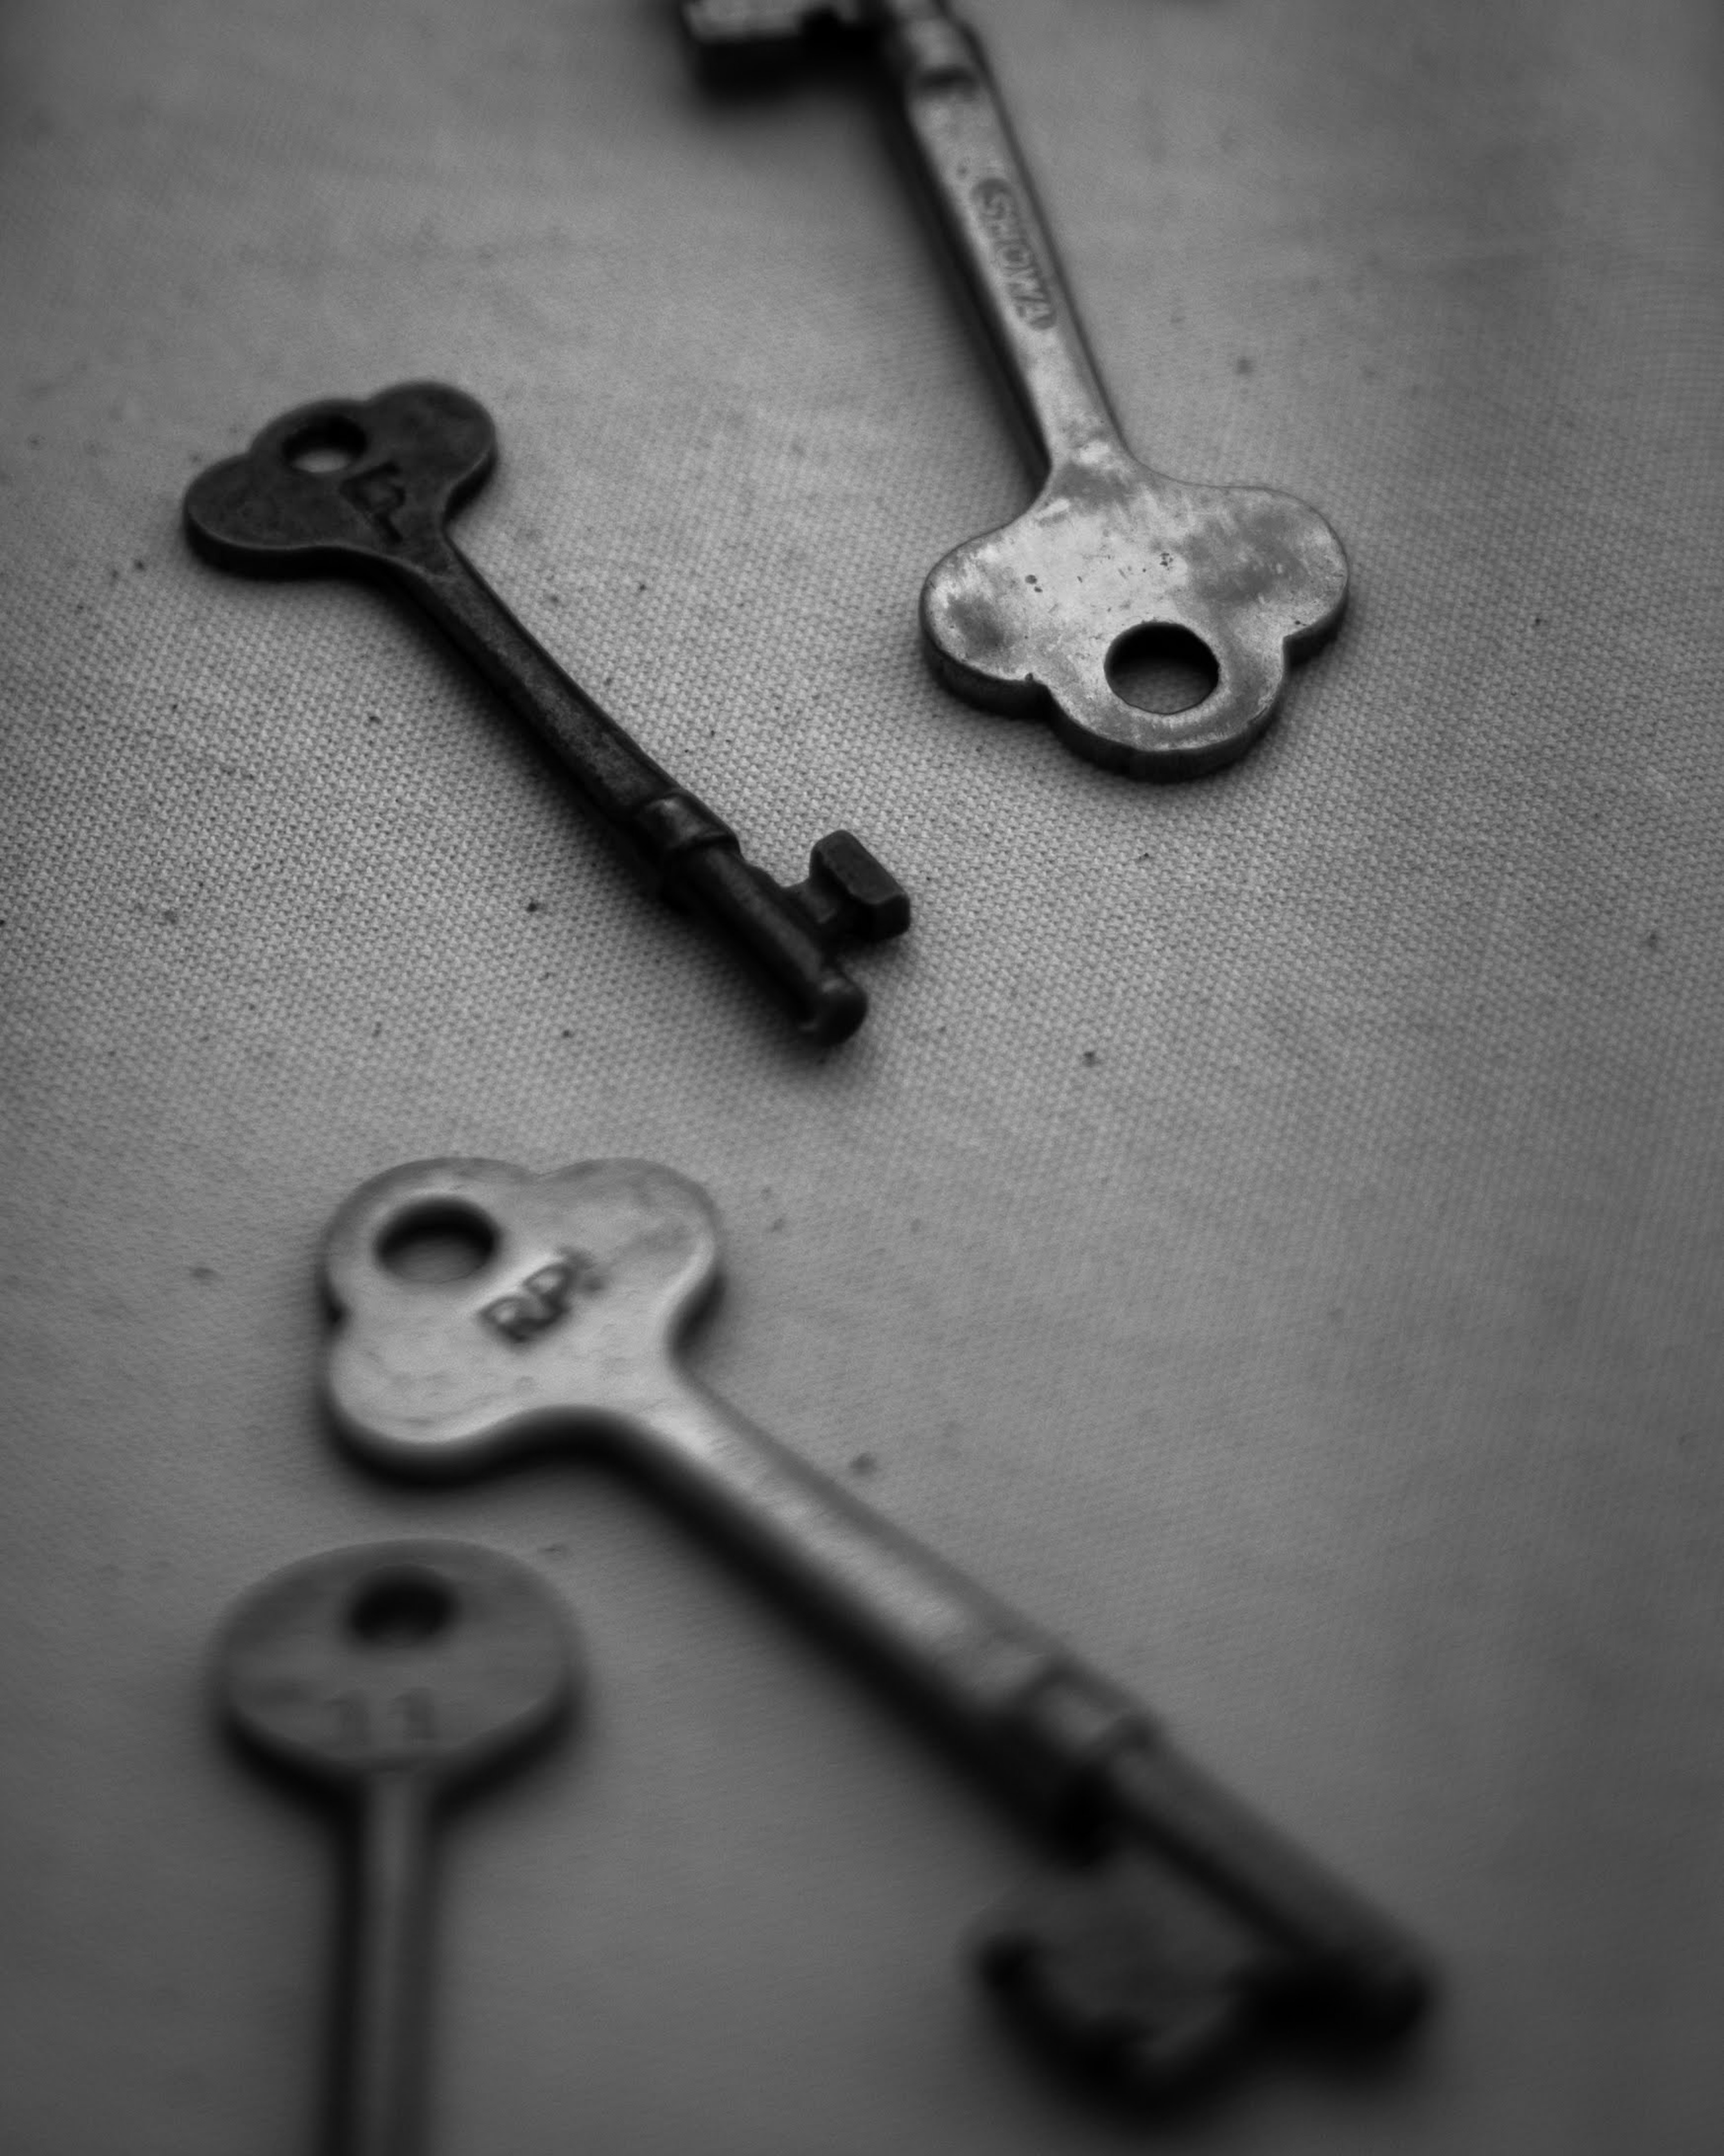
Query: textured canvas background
[1272, 1229]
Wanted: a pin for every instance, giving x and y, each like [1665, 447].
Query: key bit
[392, 1676]
[1125, 1975]
[366, 489]
[1112, 564]
[560, 1322]
[736, 38]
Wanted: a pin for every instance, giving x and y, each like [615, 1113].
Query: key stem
[1363, 1965]
[985, 1672]
[1070, 1744]
[617, 777]
[976, 175]
[382, 2060]
[684, 851]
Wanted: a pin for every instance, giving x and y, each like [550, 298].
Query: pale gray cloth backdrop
[1271, 1228]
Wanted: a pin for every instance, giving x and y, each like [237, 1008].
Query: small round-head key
[1112, 564]
[393, 1674]
[366, 488]
[483, 1311]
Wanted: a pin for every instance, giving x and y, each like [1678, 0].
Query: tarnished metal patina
[366, 488]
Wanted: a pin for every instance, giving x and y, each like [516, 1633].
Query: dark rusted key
[344, 487]
[557, 1317]
[393, 1675]
[1113, 566]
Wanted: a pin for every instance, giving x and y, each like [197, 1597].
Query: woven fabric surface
[1270, 1229]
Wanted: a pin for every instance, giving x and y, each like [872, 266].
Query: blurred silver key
[392, 1676]
[484, 1311]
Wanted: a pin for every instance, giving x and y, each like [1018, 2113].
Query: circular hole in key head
[440, 1241]
[1159, 668]
[328, 444]
[402, 1609]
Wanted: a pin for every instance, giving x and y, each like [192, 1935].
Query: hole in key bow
[328, 444]
[1160, 668]
[401, 1609]
[440, 1241]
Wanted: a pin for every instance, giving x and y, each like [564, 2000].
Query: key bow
[1036, 615]
[333, 484]
[567, 1277]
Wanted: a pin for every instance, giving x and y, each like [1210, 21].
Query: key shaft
[1059, 1737]
[380, 2072]
[682, 850]
[975, 177]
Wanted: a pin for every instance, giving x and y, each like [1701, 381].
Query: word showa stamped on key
[393, 1677]
[1151, 620]
[366, 489]
[483, 1311]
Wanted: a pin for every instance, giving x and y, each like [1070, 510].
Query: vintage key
[393, 1674]
[344, 487]
[1112, 562]
[483, 1311]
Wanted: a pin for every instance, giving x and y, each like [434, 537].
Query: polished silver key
[484, 1311]
[1113, 564]
[393, 1674]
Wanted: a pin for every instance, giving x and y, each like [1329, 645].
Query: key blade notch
[851, 896]
[735, 40]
